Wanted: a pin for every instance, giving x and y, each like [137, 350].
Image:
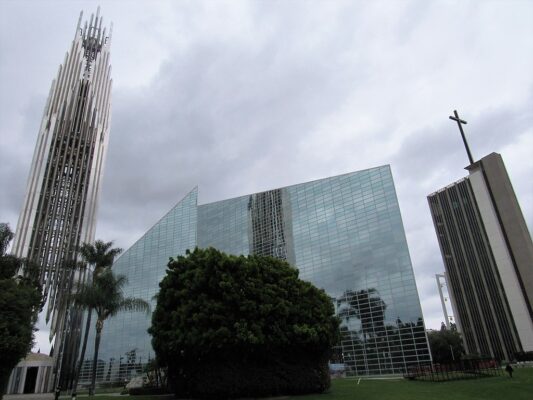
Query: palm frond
[133, 304]
[106, 298]
[110, 281]
[100, 254]
[121, 281]
[87, 252]
[89, 296]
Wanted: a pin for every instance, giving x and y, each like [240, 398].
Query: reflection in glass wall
[349, 239]
[269, 230]
[344, 234]
[125, 344]
[368, 345]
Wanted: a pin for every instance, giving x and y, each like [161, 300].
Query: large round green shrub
[234, 326]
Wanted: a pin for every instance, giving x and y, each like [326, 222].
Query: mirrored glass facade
[343, 233]
[125, 344]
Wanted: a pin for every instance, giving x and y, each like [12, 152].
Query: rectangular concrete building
[488, 255]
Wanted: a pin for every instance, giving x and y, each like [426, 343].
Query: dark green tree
[106, 298]
[446, 345]
[235, 326]
[20, 298]
[100, 256]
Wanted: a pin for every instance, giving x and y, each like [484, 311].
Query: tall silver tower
[61, 202]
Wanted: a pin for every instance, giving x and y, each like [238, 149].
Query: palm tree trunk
[83, 348]
[99, 326]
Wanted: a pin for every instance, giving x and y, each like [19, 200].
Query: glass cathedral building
[343, 233]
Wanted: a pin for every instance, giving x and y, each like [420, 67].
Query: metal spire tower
[60, 206]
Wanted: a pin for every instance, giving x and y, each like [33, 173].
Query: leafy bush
[20, 299]
[446, 345]
[234, 326]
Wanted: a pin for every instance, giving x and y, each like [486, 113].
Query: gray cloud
[244, 96]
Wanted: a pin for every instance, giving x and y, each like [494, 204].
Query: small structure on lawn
[33, 374]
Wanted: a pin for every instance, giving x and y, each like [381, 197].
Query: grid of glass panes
[125, 344]
[224, 225]
[344, 234]
[349, 239]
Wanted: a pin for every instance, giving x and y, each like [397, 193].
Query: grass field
[497, 388]
[494, 388]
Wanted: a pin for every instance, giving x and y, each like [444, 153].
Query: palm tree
[100, 255]
[105, 297]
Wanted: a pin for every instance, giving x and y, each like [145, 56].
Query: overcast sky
[243, 96]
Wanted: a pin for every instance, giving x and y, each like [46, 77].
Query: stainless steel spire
[60, 206]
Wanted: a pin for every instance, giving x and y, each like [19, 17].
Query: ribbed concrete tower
[488, 255]
[61, 202]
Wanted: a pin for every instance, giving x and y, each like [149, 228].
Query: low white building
[33, 374]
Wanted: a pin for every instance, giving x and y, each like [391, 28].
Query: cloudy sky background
[243, 96]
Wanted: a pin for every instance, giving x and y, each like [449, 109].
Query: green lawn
[497, 388]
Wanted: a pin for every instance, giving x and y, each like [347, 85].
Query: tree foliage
[106, 298]
[231, 326]
[100, 255]
[20, 298]
[446, 345]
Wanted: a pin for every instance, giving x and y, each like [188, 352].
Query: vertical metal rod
[439, 286]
